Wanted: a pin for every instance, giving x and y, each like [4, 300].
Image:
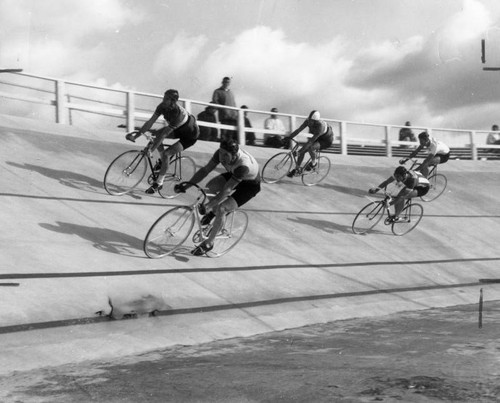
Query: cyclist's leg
[165, 159]
[313, 152]
[400, 200]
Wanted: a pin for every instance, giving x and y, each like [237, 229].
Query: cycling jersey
[182, 123]
[415, 180]
[438, 147]
[245, 167]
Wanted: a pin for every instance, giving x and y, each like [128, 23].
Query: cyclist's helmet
[314, 115]
[230, 146]
[172, 94]
[400, 171]
[423, 135]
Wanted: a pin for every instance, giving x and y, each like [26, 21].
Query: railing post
[343, 138]
[188, 106]
[130, 112]
[60, 104]
[241, 128]
[388, 146]
[473, 146]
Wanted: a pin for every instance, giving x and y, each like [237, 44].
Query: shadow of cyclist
[102, 238]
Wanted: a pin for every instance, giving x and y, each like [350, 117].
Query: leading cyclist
[439, 153]
[322, 137]
[413, 183]
[235, 187]
[181, 125]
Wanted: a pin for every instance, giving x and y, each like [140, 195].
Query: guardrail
[69, 102]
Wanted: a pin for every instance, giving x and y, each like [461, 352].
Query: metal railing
[82, 104]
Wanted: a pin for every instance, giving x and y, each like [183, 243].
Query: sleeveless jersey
[245, 168]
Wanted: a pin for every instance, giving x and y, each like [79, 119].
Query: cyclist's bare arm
[202, 173]
[383, 185]
[298, 130]
[412, 154]
[146, 127]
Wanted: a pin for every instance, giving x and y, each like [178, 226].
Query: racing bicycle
[373, 212]
[173, 228]
[127, 171]
[281, 164]
[436, 180]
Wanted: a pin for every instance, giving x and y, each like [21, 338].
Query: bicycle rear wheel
[169, 232]
[408, 219]
[438, 184]
[277, 167]
[179, 170]
[125, 173]
[233, 229]
[368, 217]
[318, 173]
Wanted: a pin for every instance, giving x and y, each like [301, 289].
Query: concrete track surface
[67, 248]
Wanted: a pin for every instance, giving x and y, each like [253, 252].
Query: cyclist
[181, 125]
[413, 183]
[322, 138]
[233, 188]
[439, 153]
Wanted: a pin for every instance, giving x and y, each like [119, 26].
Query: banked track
[68, 248]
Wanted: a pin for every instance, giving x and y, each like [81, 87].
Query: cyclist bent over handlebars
[181, 125]
[439, 153]
[235, 187]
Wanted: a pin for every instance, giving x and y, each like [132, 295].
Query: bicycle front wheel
[179, 170]
[318, 173]
[169, 232]
[125, 173]
[277, 167]
[368, 217]
[234, 227]
[438, 184]
[408, 219]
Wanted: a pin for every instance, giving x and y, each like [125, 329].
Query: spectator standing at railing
[208, 115]
[406, 134]
[249, 136]
[273, 123]
[224, 96]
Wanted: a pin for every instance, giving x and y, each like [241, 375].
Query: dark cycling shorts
[326, 139]
[422, 190]
[443, 157]
[244, 191]
[188, 133]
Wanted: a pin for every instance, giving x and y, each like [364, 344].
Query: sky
[372, 61]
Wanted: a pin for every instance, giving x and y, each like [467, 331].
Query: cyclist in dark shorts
[414, 184]
[232, 189]
[322, 138]
[181, 125]
[439, 153]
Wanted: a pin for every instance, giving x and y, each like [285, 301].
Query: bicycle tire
[408, 219]
[234, 227]
[438, 184]
[320, 172]
[277, 167]
[169, 232]
[125, 172]
[368, 217]
[187, 170]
